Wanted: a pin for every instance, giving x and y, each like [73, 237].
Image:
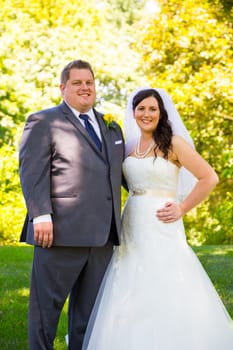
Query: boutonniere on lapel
[108, 120]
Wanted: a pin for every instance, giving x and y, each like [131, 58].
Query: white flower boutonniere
[108, 119]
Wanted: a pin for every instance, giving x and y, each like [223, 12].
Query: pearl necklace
[139, 154]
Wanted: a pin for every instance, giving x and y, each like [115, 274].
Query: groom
[70, 171]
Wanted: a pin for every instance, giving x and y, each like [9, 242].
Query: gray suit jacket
[63, 173]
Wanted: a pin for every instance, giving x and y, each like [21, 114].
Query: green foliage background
[184, 47]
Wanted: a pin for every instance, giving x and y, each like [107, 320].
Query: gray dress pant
[56, 272]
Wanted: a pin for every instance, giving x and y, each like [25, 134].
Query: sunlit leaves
[37, 39]
[187, 49]
[184, 47]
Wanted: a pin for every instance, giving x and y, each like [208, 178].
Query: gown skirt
[155, 294]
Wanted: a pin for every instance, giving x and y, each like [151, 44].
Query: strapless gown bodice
[156, 294]
[157, 174]
[152, 182]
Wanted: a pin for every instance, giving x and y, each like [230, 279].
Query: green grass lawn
[15, 267]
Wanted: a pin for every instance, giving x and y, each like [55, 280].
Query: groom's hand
[43, 234]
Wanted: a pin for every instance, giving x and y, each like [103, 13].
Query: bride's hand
[169, 213]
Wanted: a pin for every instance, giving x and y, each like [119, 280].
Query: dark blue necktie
[91, 130]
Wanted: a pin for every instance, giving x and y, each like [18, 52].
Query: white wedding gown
[156, 294]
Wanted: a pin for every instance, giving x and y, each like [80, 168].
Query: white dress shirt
[92, 120]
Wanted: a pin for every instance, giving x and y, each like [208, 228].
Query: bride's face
[147, 114]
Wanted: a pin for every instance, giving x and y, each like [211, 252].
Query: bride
[156, 294]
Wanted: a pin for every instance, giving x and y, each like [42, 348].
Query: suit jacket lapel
[74, 120]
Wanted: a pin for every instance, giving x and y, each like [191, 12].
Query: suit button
[109, 198]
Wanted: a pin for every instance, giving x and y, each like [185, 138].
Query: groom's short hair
[78, 64]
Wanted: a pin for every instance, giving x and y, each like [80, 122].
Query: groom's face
[79, 90]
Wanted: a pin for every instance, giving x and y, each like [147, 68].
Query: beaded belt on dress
[151, 192]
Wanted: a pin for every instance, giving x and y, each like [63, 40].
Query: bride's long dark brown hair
[162, 135]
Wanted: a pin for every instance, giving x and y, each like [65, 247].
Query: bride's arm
[207, 180]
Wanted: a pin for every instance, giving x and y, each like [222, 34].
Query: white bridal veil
[132, 132]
